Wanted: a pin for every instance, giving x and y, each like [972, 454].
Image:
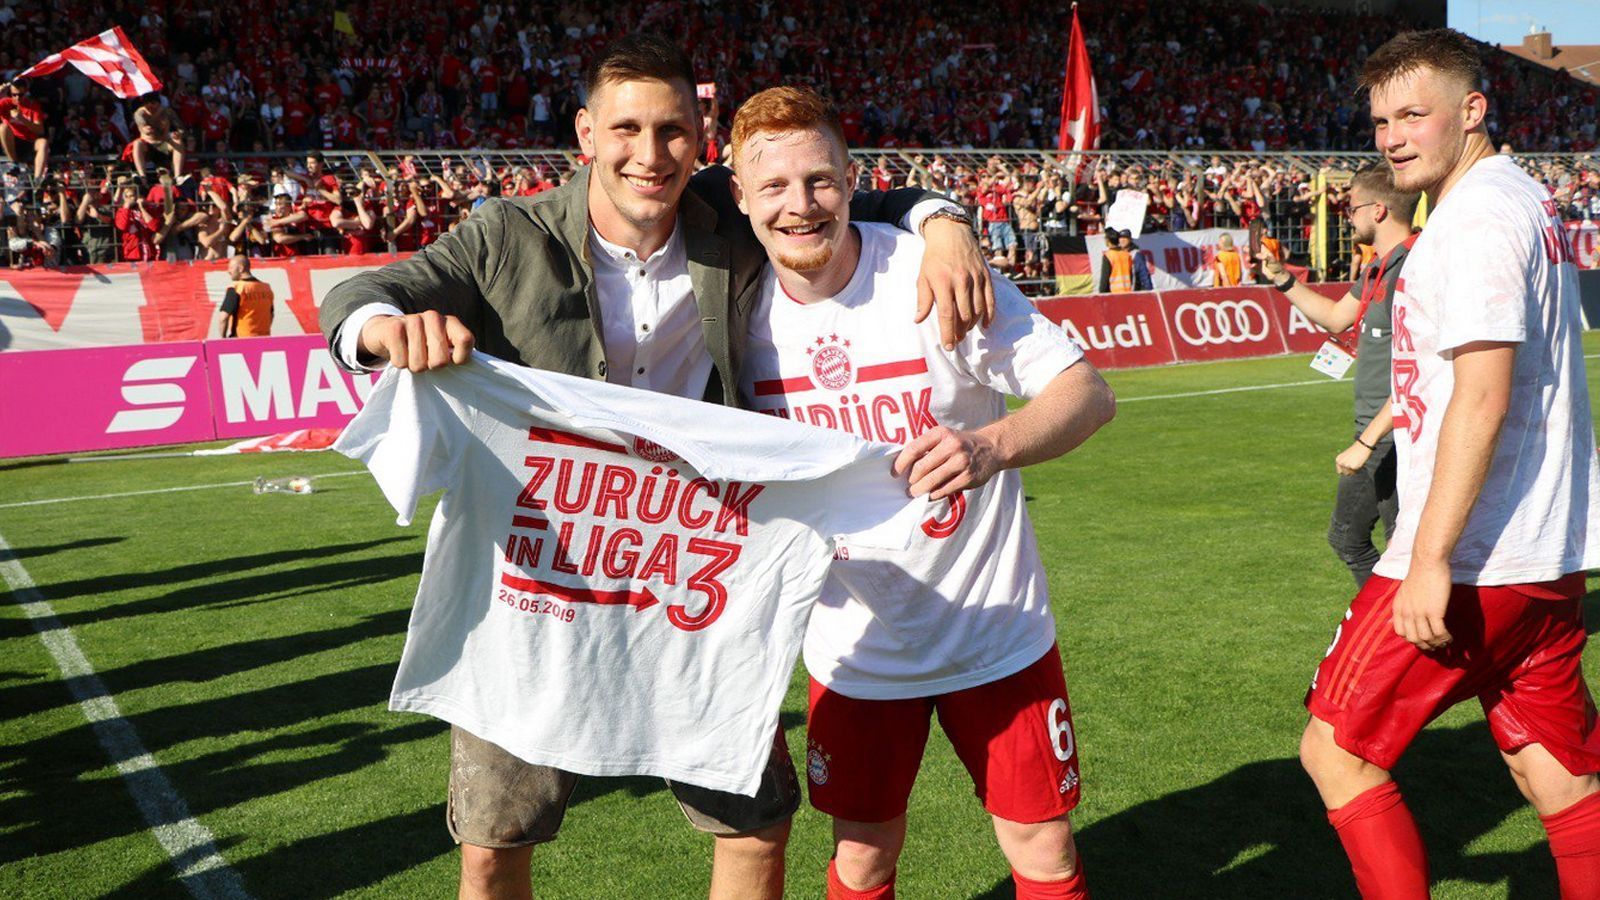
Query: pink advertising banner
[63, 401]
[266, 385]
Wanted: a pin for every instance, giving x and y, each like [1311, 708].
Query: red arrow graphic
[640, 600]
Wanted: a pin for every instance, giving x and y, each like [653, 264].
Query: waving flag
[1080, 104]
[109, 59]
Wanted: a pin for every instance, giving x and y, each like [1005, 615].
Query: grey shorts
[497, 800]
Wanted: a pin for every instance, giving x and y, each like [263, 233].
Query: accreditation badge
[1332, 359]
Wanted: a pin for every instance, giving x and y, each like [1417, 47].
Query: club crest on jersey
[817, 766]
[831, 364]
[648, 449]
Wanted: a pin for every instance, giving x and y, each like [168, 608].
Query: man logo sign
[149, 385]
[1227, 322]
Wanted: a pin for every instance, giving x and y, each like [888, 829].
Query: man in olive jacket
[625, 276]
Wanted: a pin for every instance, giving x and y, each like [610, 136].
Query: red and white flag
[303, 439]
[1080, 103]
[110, 59]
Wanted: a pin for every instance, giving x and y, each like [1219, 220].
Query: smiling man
[1479, 592]
[959, 624]
[630, 274]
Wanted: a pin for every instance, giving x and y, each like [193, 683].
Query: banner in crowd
[170, 393]
[134, 303]
[1177, 259]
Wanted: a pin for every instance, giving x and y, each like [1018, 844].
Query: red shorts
[1517, 648]
[1014, 736]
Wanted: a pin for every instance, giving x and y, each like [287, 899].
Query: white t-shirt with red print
[967, 603]
[1492, 264]
[616, 581]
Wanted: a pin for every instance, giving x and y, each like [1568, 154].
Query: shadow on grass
[1591, 611]
[204, 572]
[33, 463]
[223, 592]
[1260, 831]
[323, 865]
[48, 549]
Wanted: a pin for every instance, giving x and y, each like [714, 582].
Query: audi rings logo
[1225, 322]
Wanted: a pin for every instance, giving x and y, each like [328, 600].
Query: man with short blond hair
[959, 623]
[1480, 591]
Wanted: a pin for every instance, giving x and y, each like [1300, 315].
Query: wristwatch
[953, 213]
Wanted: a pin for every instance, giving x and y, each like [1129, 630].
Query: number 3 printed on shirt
[722, 555]
[1409, 409]
[936, 527]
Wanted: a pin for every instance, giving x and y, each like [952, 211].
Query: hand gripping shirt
[967, 602]
[1493, 265]
[616, 581]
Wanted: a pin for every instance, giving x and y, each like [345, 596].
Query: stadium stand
[1219, 123]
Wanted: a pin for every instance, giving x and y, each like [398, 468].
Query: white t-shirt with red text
[1492, 264]
[967, 603]
[616, 581]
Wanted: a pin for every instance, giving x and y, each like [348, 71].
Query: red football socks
[1381, 839]
[1073, 888]
[1575, 843]
[837, 890]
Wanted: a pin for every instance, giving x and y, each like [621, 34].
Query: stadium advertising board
[103, 398]
[1117, 331]
[265, 385]
[116, 397]
[101, 306]
[1300, 333]
[1231, 323]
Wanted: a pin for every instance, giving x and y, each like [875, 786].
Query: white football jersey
[1493, 265]
[967, 603]
[616, 581]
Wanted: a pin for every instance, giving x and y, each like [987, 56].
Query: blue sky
[1506, 21]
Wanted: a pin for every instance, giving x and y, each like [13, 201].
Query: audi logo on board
[1224, 322]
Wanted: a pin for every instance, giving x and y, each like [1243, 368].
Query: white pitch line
[1253, 387]
[189, 844]
[168, 490]
[1232, 390]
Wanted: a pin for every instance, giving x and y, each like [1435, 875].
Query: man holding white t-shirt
[632, 273]
[960, 622]
[1479, 592]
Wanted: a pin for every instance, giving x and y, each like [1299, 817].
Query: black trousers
[1363, 500]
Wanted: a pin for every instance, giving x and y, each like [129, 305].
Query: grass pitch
[250, 643]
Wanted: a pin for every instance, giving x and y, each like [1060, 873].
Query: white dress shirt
[649, 320]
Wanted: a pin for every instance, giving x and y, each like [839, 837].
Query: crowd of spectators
[280, 207]
[266, 75]
[260, 77]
